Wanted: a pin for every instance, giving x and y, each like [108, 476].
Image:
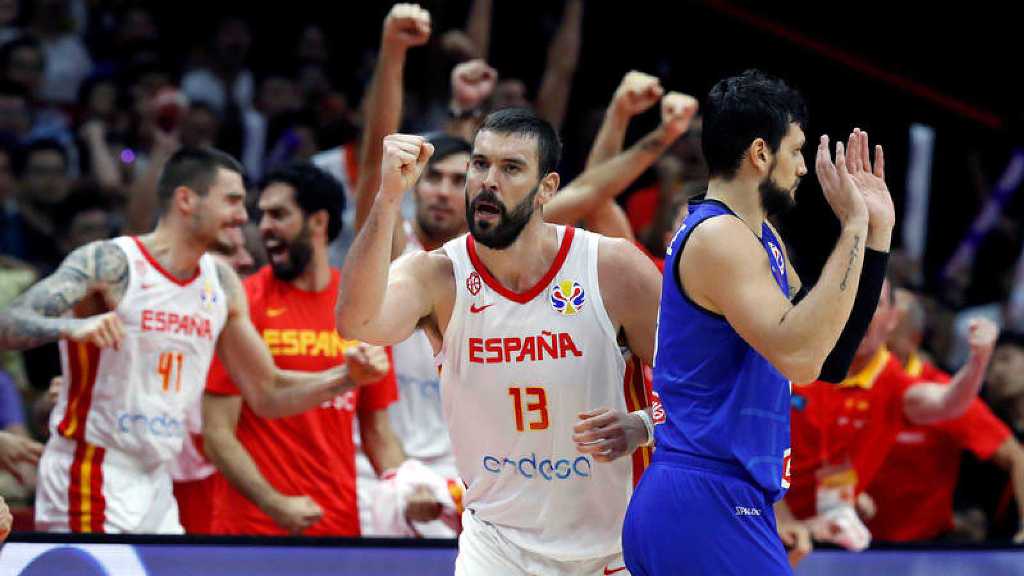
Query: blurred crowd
[91, 108]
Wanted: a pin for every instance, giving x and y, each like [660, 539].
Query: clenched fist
[366, 364]
[472, 83]
[637, 92]
[407, 25]
[103, 330]
[404, 158]
[982, 334]
[677, 110]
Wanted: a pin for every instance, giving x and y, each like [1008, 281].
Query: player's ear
[547, 188]
[318, 222]
[185, 200]
[760, 155]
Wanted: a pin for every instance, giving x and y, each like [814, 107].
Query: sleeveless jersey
[134, 398]
[724, 403]
[518, 368]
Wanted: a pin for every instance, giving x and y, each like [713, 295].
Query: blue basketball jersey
[725, 404]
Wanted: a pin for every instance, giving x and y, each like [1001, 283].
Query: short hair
[445, 146]
[524, 122]
[740, 109]
[40, 145]
[195, 168]
[315, 190]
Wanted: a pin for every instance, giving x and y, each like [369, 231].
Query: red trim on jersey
[161, 269]
[86, 504]
[521, 297]
[83, 360]
[635, 388]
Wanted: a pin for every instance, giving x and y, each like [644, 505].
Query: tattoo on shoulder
[228, 280]
[849, 265]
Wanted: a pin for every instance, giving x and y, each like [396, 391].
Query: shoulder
[618, 252]
[723, 240]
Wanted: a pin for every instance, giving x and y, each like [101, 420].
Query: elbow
[347, 321]
[801, 368]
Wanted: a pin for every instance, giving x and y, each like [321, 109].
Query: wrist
[879, 237]
[855, 225]
[648, 425]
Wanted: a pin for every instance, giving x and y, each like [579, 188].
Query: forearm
[605, 181]
[21, 329]
[610, 136]
[811, 329]
[381, 446]
[295, 392]
[234, 462]
[478, 26]
[926, 403]
[869, 288]
[563, 55]
[383, 111]
[142, 200]
[104, 166]
[365, 271]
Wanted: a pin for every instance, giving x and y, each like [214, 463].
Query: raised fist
[472, 83]
[982, 334]
[677, 110]
[404, 158]
[407, 25]
[637, 92]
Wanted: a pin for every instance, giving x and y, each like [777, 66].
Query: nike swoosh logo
[275, 312]
[145, 286]
[610, 571]
[473, 309]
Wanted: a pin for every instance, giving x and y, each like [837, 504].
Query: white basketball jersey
[417, 417]
[134, 398]
[518, 368]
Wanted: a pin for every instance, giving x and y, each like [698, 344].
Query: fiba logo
[567, 297]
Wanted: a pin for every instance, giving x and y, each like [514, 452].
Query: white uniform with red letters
[518, 369]
[120, 417]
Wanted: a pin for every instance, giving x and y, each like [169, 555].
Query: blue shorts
[691, 516]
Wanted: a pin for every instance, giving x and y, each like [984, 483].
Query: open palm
[870, 180]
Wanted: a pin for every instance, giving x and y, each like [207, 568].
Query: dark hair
[445, 146]
[524, 122]
[40, 145]
[1011, 338]
[740, 109]
[84, 197]
[195, 168]
[315, 190]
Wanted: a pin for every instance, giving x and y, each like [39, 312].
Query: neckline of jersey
[161, 269]
[531, 293]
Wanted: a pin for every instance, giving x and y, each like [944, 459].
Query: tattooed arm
[36, 317]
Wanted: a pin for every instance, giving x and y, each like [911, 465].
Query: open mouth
[277, 250]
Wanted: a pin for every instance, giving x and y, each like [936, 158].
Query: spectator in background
[8, 20]
[23, 62]
[18, 452]
[67, 60]
[44, 184]
[986, 490]
[842, 434]
[913, 491]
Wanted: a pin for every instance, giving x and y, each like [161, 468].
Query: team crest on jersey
[568, 297]
[473, 283]
[208, 297]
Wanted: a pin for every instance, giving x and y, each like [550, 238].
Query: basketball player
[525, 315]
[139, 319]
[730, 340]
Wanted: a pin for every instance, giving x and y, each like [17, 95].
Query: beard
[300, 252]
[510, 224]
[775, 200]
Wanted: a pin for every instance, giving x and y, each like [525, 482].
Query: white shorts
[85, 488]
[483, 551]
